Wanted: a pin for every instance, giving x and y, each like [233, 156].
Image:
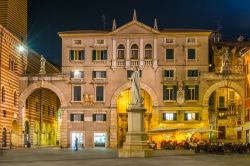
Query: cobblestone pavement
[109, 157]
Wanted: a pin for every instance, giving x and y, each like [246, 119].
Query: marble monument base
[136, 139]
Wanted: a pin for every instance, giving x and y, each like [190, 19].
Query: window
[169, 54]
[222, 132]
[4, 113]
[12, 65]
[169, 40]
[77, 42]
[169, 92]
[191, 54]
[222, 115]
[168, 73]
[130, 72]
[148, 51]
[121, 52]
[192, 73]
[134, 51]
[15, 98]
[53, 112]
[191, 116]
[99, 74]
[221, 101]
[27, 104]
[3, 94]
[169, 116]
[191, 40]
[99, 117]
[238, 134]
[98, 55]
[76, 117]
[76, 74]
[77, 55]
[77, 93]
[99, 41]
[99, 93]
[192, 92]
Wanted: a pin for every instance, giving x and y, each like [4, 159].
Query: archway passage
[42, 110]
[4, 137]
[14, 134]
[123, 102]
[225, 110]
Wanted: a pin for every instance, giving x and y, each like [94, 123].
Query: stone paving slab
[109, 157]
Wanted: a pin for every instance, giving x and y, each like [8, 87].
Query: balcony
[134, 62]
[120, 63]
[148, 62]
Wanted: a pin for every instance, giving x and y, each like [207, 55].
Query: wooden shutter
[94, 117]
[71, 52]
[93, 55]
[105, 74]
[175, 116]
[186, 93]
[105, 55]
[185, 116]
[175, 91]
[163, 116]
[72, 117]
[165, 93]
[197, 92]
[196, 116]
[93, 74]
[104, 117]
[82, 117]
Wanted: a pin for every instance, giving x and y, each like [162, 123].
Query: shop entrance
[76, 139]
[100, 139]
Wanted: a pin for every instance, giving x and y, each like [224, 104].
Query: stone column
[64, 129]
[114, 54]
[155, 65]
[127, 54]
[141, 61]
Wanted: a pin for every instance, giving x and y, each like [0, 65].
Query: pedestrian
[76, 144]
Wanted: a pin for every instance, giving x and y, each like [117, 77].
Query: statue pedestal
[136, 139]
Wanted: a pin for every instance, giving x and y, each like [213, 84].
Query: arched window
[4, 138]
[3, 94]
[120, 52]
[134, 51]
[148, 51]
[15, 98]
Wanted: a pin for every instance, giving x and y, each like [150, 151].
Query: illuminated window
[169, 40]
[76, 74]
[99, 55]
[134, 51]
[121, 52]
[77, 55]
[169, 116]
[191, 116]
[221, 101]
[191, 54]
[148, 51]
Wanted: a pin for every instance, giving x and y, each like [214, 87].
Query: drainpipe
[1, 44]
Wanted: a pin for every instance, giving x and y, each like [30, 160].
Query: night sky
[47, 17]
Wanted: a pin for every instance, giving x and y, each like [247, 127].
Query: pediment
[135, 27]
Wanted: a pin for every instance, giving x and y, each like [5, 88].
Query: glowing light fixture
[21, 48]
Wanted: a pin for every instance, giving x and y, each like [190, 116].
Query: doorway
[76, 136]
[100, 139]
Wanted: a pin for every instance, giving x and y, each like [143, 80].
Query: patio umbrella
[201, 131]
[162, 129]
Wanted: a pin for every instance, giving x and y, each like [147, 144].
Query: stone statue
[136, 98]
[42, 67]
[226, 67]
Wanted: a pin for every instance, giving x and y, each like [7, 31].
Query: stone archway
[222, 84]
[27, 91]
[144, 86]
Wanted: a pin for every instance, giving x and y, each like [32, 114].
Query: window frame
[195, 54]
[121, 50]
[94, 74]
[103, 94]
[76, 57]
[133, 51]
[188, 38]
[147, 50]
[73, 93]
[99, 55]
[173, 54]
[195, 116]
[72, 74]
[169, 38]
[95, 115]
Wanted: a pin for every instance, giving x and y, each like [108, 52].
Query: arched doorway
[4, 137]
[26, 133]
[36, 133]
[123, 102]
[14, 134]
[225, 114]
